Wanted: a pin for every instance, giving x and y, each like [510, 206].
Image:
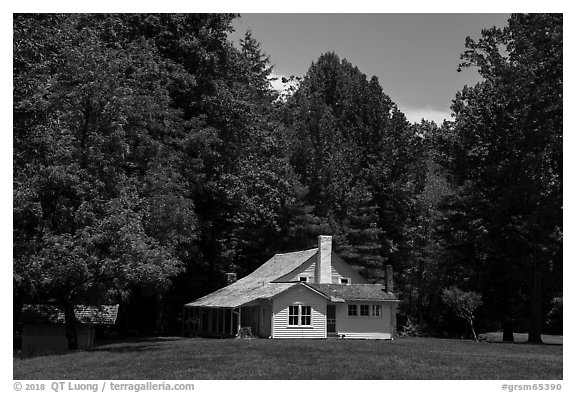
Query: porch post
[222, 323]
[230, 310]
[183, 319]
[239, 318]
[223, 312]
[210, 319]
[193, 318]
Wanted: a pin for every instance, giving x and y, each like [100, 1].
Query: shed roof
[342, 293]
[51, 314]
[257, 285]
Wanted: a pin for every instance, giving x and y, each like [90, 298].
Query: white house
[303, 294]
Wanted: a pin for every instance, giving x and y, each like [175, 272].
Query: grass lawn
[196, 358]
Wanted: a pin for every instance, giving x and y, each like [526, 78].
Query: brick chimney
[324, 260]
[389, 283]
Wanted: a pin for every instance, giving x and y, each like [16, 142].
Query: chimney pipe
[324, 260]
[389, 283]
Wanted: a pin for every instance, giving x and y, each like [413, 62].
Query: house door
[331, 318]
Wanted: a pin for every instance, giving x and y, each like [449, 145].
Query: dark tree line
[151, 156]
[504, 156]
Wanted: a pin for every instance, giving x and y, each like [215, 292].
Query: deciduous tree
[463, 304]
[504, 154]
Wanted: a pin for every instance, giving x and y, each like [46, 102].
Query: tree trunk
[507, 331]
[70, 320]
[471, 322]
[158, 314]
[84, 132]
[419, 298]
[535, 322]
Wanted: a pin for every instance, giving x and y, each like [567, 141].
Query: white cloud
[277, 83]
[414, 115]
[279, 86]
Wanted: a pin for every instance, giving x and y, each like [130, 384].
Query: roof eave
[303, 285]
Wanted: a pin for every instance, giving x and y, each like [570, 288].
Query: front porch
[210, 321]
[226, 322]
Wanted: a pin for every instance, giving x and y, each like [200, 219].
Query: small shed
[44, 329]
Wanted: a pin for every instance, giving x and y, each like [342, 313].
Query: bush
[554, 317]
[410, 329]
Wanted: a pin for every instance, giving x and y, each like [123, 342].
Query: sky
[414, 56]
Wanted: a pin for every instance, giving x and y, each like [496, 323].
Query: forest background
[151, 156]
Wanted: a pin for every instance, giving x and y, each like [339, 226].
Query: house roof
[344, 293]
[51, 314]
[257, 285]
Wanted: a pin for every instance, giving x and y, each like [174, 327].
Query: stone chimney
[324, 260]
[389, 283]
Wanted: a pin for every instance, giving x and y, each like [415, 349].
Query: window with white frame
[364, 310]
[303, 278]
[299, 315]
[352, 310]
[305, 315]
[376, 310]
[344, 280]
[293, 315]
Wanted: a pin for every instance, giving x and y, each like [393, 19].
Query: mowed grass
[196, 358]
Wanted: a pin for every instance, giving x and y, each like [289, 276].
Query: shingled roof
[343, 293]
[51, 314]
[257, 285]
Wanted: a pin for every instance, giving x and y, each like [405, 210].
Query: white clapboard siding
[342, 269]
[306, 269]
[308, 272]
[304, 296]
[366, 327]
[339, 269]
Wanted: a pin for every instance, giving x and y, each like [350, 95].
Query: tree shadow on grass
[119, 345]
[132, 344]
[522, 338]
